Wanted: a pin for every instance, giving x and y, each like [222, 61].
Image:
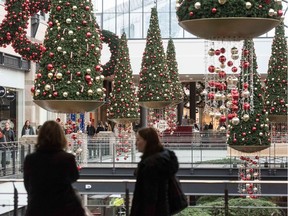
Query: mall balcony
[208, 167]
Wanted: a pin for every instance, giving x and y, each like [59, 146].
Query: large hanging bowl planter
[248, 148]
[155, 104]
[230, 28]
[278, 118]
[125, 120]
[69, 106]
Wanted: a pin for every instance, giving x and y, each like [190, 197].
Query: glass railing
[196, 150]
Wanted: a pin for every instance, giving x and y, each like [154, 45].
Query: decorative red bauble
[234, 69]
[51, 54]
[87, 8]
[78, 73]
[88, 78]
[222, 58]
[98, 68]
[229, 63]
[39, 75]
[234, 140]
[50, 24]
[64, 66]
[211, 69]
[88, 34]
[84, 22]
[246, 52]
[217, 52]
[214, 10]
[191, 14]
[246, 106]
[222, 50]
[245, 85]
[243, 134]
[211, 95]
[50, 67]
[254, 128]
[222, 118]
[58, 8]
[246, 64]
[92, 46]
[55, 94]
[222, 74]
[230, 116]
[32, 89]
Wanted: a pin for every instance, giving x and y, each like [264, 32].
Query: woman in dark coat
[157, 164]
[48, 175]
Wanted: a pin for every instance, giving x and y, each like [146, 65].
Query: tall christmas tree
[249, 129]
[154, 83]
[176, 86]
[123, 98]
[276, 82]
[70, 69]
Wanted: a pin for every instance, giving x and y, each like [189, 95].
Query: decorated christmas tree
[249, 128]
[70, 67]
[276, 82]
[154, 82]
[123, 98]
[176, 86]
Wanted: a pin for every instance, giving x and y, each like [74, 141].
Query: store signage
[2, 91]
[11, 96]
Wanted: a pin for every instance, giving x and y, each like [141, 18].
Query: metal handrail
[126, 191]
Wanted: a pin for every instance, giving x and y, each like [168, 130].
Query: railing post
[127, 201]
[226, 207]
[15, 212]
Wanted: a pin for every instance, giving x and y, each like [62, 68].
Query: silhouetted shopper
[157, 164]
[27, 129]
[48, 175]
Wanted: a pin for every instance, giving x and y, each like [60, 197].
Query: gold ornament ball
[70, 32]
[99, 91]
[271, 12]
[248, 5]
[222, 2]
[245, 117]
[68, 20]
[47, 87]
[65, 94]
[235, 121]
[90, 92]
[197, 5]
[50, 75]
[235, 56]
[59, 75]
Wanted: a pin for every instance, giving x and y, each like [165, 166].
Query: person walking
[90, 130]
[49, 173]
[27, 129]
[157, 165]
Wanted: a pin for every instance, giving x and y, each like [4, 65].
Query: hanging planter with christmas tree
[70, 76]
[228, 19]
[154, 81]
[123, 106]
[248, 130]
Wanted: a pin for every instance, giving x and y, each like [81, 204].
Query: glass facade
[133, 16]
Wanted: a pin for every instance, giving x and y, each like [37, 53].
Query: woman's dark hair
[51, 137]
[25, 125]
[153, 143]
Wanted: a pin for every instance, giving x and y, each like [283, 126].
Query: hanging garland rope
[112, 40]
[13, 29]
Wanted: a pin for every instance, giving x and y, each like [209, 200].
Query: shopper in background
[153, 171]
[27, 129]
[48, 175]
[100, 127]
